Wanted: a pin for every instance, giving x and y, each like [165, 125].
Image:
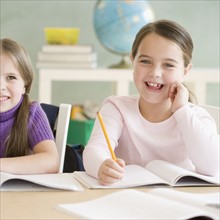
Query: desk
[199, 78]
[41, 205]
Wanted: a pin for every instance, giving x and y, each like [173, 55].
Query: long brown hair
[17, 142]
[171, 31]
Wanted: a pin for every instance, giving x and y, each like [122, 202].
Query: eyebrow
[167, 59]
[11, 73]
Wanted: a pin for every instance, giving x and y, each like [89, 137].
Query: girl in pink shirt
[161, 122]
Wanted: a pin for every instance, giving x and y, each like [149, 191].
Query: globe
[117, 22]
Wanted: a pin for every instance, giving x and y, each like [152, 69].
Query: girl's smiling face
[12, 86]
[157, 64]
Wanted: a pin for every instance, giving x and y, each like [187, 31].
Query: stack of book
[67, 56]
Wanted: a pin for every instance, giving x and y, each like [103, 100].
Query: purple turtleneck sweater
[38, 125]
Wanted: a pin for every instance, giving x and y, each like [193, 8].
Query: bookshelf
[197, 80]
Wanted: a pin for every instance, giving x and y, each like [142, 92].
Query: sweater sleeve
[38, 126]
[198, 130]
[96, 151]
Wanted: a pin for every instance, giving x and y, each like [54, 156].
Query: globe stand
[124, 64]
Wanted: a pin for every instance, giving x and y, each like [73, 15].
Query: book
[67, 57]
[49, 48]
[39, 182]
[156, 172]
[79, 65]
[159, 203]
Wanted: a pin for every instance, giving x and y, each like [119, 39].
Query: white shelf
[122, 77]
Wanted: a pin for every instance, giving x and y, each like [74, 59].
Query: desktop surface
[42, 205]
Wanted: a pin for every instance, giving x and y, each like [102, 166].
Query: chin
[155, 100]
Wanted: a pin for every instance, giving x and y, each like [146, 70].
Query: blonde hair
[17, 142]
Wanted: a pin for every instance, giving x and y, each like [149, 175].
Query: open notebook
[155, 204]
[39, 182]
[156, 172]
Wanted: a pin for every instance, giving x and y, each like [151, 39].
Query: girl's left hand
[179, 96]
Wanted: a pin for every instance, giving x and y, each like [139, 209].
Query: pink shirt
[188, 138]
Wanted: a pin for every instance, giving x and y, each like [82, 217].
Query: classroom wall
[24, 21]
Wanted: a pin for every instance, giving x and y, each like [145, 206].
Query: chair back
[214, 112]
[59, 121]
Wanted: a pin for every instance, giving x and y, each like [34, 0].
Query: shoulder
[193, 110]
[121, 107]
[34, 105]
[36, 110]
[38, 124]
[197, 109]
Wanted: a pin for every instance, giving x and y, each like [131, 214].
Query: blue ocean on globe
[117, 22]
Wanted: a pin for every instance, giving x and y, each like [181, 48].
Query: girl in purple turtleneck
[26, 141]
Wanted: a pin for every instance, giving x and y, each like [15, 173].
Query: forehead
[6, 58]
[158, 46]
[7, 64]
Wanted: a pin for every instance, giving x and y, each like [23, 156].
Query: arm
[43, 156]
[198, 130]
[199, 133]
[96, 154]
[43, 160]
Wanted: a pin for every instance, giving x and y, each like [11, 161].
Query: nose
[155, 72]
[2, 84]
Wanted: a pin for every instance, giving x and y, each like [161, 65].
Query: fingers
[120, 162]
[111, 171]
[179, 95]
[172, 92]
[177, 88]
[174, 89]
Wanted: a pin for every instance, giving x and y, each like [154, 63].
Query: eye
[11, 77]
[168, 65]
[145, 61]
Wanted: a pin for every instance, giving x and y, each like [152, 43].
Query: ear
[24, 90]
[131, 58]
[188, 68]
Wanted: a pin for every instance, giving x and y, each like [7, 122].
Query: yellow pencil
[106, 136]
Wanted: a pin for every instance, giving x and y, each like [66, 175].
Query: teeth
[154, 85]
[3, 98]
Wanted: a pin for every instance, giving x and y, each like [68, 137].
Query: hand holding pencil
[112, 170]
